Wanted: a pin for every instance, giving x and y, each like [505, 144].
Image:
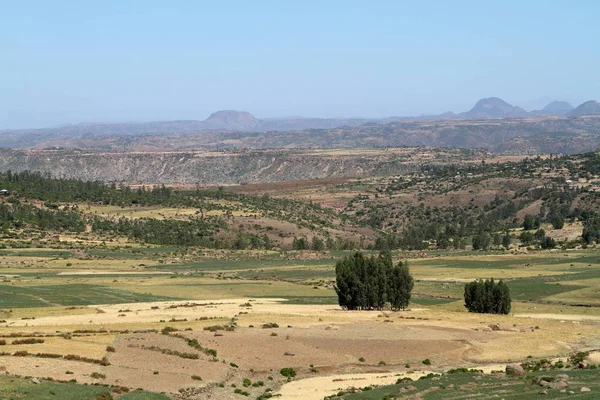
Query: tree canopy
[487, 297]
[368, 283]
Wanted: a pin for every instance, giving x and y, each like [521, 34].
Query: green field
[69, 295]
[12, 388]
[471, 385]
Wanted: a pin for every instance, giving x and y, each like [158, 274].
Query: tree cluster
[487, 297]
[368, 283]
[17, 215]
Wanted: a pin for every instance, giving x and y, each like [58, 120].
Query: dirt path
[560, 317]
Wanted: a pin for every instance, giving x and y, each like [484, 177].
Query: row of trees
[368, 283]
[317, 244]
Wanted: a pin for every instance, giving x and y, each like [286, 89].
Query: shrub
[427, 361]
[246, 382]
[168, 329]
[28, 341]
[196, 378]
[288, 372]
[110, 349]
[97, 375]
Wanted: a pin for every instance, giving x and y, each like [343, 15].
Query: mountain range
[242, 121]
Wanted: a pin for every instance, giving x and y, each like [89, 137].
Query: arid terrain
[185, 292]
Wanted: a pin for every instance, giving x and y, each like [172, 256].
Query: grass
[430, 302]
[69, 295]
[20, 388]
[478, 386]
[36, 253]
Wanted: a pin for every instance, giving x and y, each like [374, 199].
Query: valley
[187, 291]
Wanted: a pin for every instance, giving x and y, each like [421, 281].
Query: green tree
[558, 221]
[526, 238]
[300, 244]
[481, 241]
[317, 244]
[487, 297]
[366, 283]
[548, 243]
[506, 240]
[531, 222]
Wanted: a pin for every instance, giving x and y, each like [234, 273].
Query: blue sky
[72, 61]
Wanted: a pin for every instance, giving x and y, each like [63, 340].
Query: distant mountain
[591, 107]
[230, 120]
[240, 122]
[558, 108]
[493, 107]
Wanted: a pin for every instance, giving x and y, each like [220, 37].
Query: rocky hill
[493, 107]
[591, 107]
[222, 168]
[558, 108]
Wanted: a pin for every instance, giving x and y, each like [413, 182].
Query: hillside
[558, 108]
[591, 107]
[493, 107]
[223, 168]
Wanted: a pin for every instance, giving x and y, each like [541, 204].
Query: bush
[110, 349]
[28, 341]
[97, 375]
[288, 372]
[548, 243]
[168, 329]
[427, 361]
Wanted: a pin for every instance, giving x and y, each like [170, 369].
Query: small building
[4, 192]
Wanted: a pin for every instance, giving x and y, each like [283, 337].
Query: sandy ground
[115, 273]
[324, 336]
[319, 387]
[560, 317]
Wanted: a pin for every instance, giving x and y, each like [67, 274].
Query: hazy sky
[125, 60]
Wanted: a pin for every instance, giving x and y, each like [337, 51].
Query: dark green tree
[487, 297]
[506, 240]
[531, 222]
[558, 221]
[367, 283]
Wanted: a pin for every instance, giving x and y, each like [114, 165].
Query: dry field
[102, 311]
